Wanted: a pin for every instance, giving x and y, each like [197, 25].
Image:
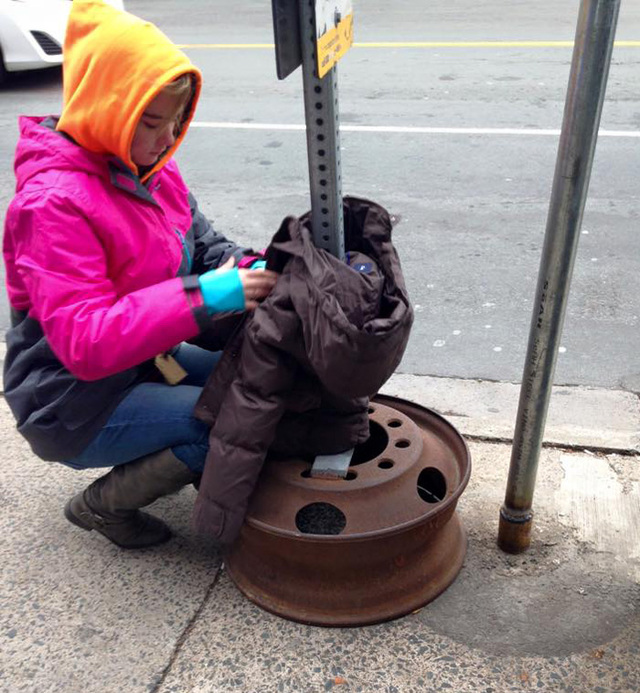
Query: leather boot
[110, 505]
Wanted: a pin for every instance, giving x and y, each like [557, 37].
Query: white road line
[409, 130]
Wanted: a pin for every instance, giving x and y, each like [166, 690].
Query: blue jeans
[156, 416]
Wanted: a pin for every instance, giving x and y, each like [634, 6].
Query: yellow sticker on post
[334, 32]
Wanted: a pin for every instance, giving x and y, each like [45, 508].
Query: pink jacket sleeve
[91, 329]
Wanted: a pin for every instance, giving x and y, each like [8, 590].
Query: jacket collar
[124, 178]
[43, 147]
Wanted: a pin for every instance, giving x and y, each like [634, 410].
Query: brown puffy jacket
[296, 377]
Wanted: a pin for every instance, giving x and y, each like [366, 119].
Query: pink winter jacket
[101, 274]
[102, 258]
[93, 263]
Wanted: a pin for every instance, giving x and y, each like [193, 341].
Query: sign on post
[334, 32]
[286, 31]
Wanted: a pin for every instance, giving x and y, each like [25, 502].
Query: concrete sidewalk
[81, 616]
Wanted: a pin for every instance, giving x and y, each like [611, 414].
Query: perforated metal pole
[587, 83]
[323, 140]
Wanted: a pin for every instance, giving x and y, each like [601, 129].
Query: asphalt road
[471, 207]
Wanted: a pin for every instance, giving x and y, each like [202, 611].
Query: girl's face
[158, 128]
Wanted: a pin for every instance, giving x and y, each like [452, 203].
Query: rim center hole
[375, 445]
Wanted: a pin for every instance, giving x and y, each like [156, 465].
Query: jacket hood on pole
[114, 66]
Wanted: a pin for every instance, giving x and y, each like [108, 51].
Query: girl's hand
[256, 283]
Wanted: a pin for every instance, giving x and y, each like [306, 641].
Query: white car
[32, 33]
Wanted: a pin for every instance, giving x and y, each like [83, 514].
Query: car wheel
[3, 72]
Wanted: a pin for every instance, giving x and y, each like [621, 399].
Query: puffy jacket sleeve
[211, 248]
[93, 331]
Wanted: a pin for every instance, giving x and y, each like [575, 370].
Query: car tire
[3, 71]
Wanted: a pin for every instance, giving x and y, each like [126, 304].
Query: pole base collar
[514, 533]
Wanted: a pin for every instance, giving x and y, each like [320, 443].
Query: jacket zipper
[184, 248]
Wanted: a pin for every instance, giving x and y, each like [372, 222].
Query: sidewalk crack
[187, 631]
[599, 450]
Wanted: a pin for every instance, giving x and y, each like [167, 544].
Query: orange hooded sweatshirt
[114, 66]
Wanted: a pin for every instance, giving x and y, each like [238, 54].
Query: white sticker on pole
[334, 32]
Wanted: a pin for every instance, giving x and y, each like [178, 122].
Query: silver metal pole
[323, 141]
[587, 83]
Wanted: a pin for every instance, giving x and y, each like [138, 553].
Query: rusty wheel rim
[375, 546]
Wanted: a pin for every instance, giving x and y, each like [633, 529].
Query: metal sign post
[323, 139]
[316, 34]
[587, 83]
[322, 35]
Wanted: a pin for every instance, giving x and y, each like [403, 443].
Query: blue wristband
[259, 264]
[222, 291]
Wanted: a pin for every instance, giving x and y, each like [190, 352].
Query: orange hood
[114, 66]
